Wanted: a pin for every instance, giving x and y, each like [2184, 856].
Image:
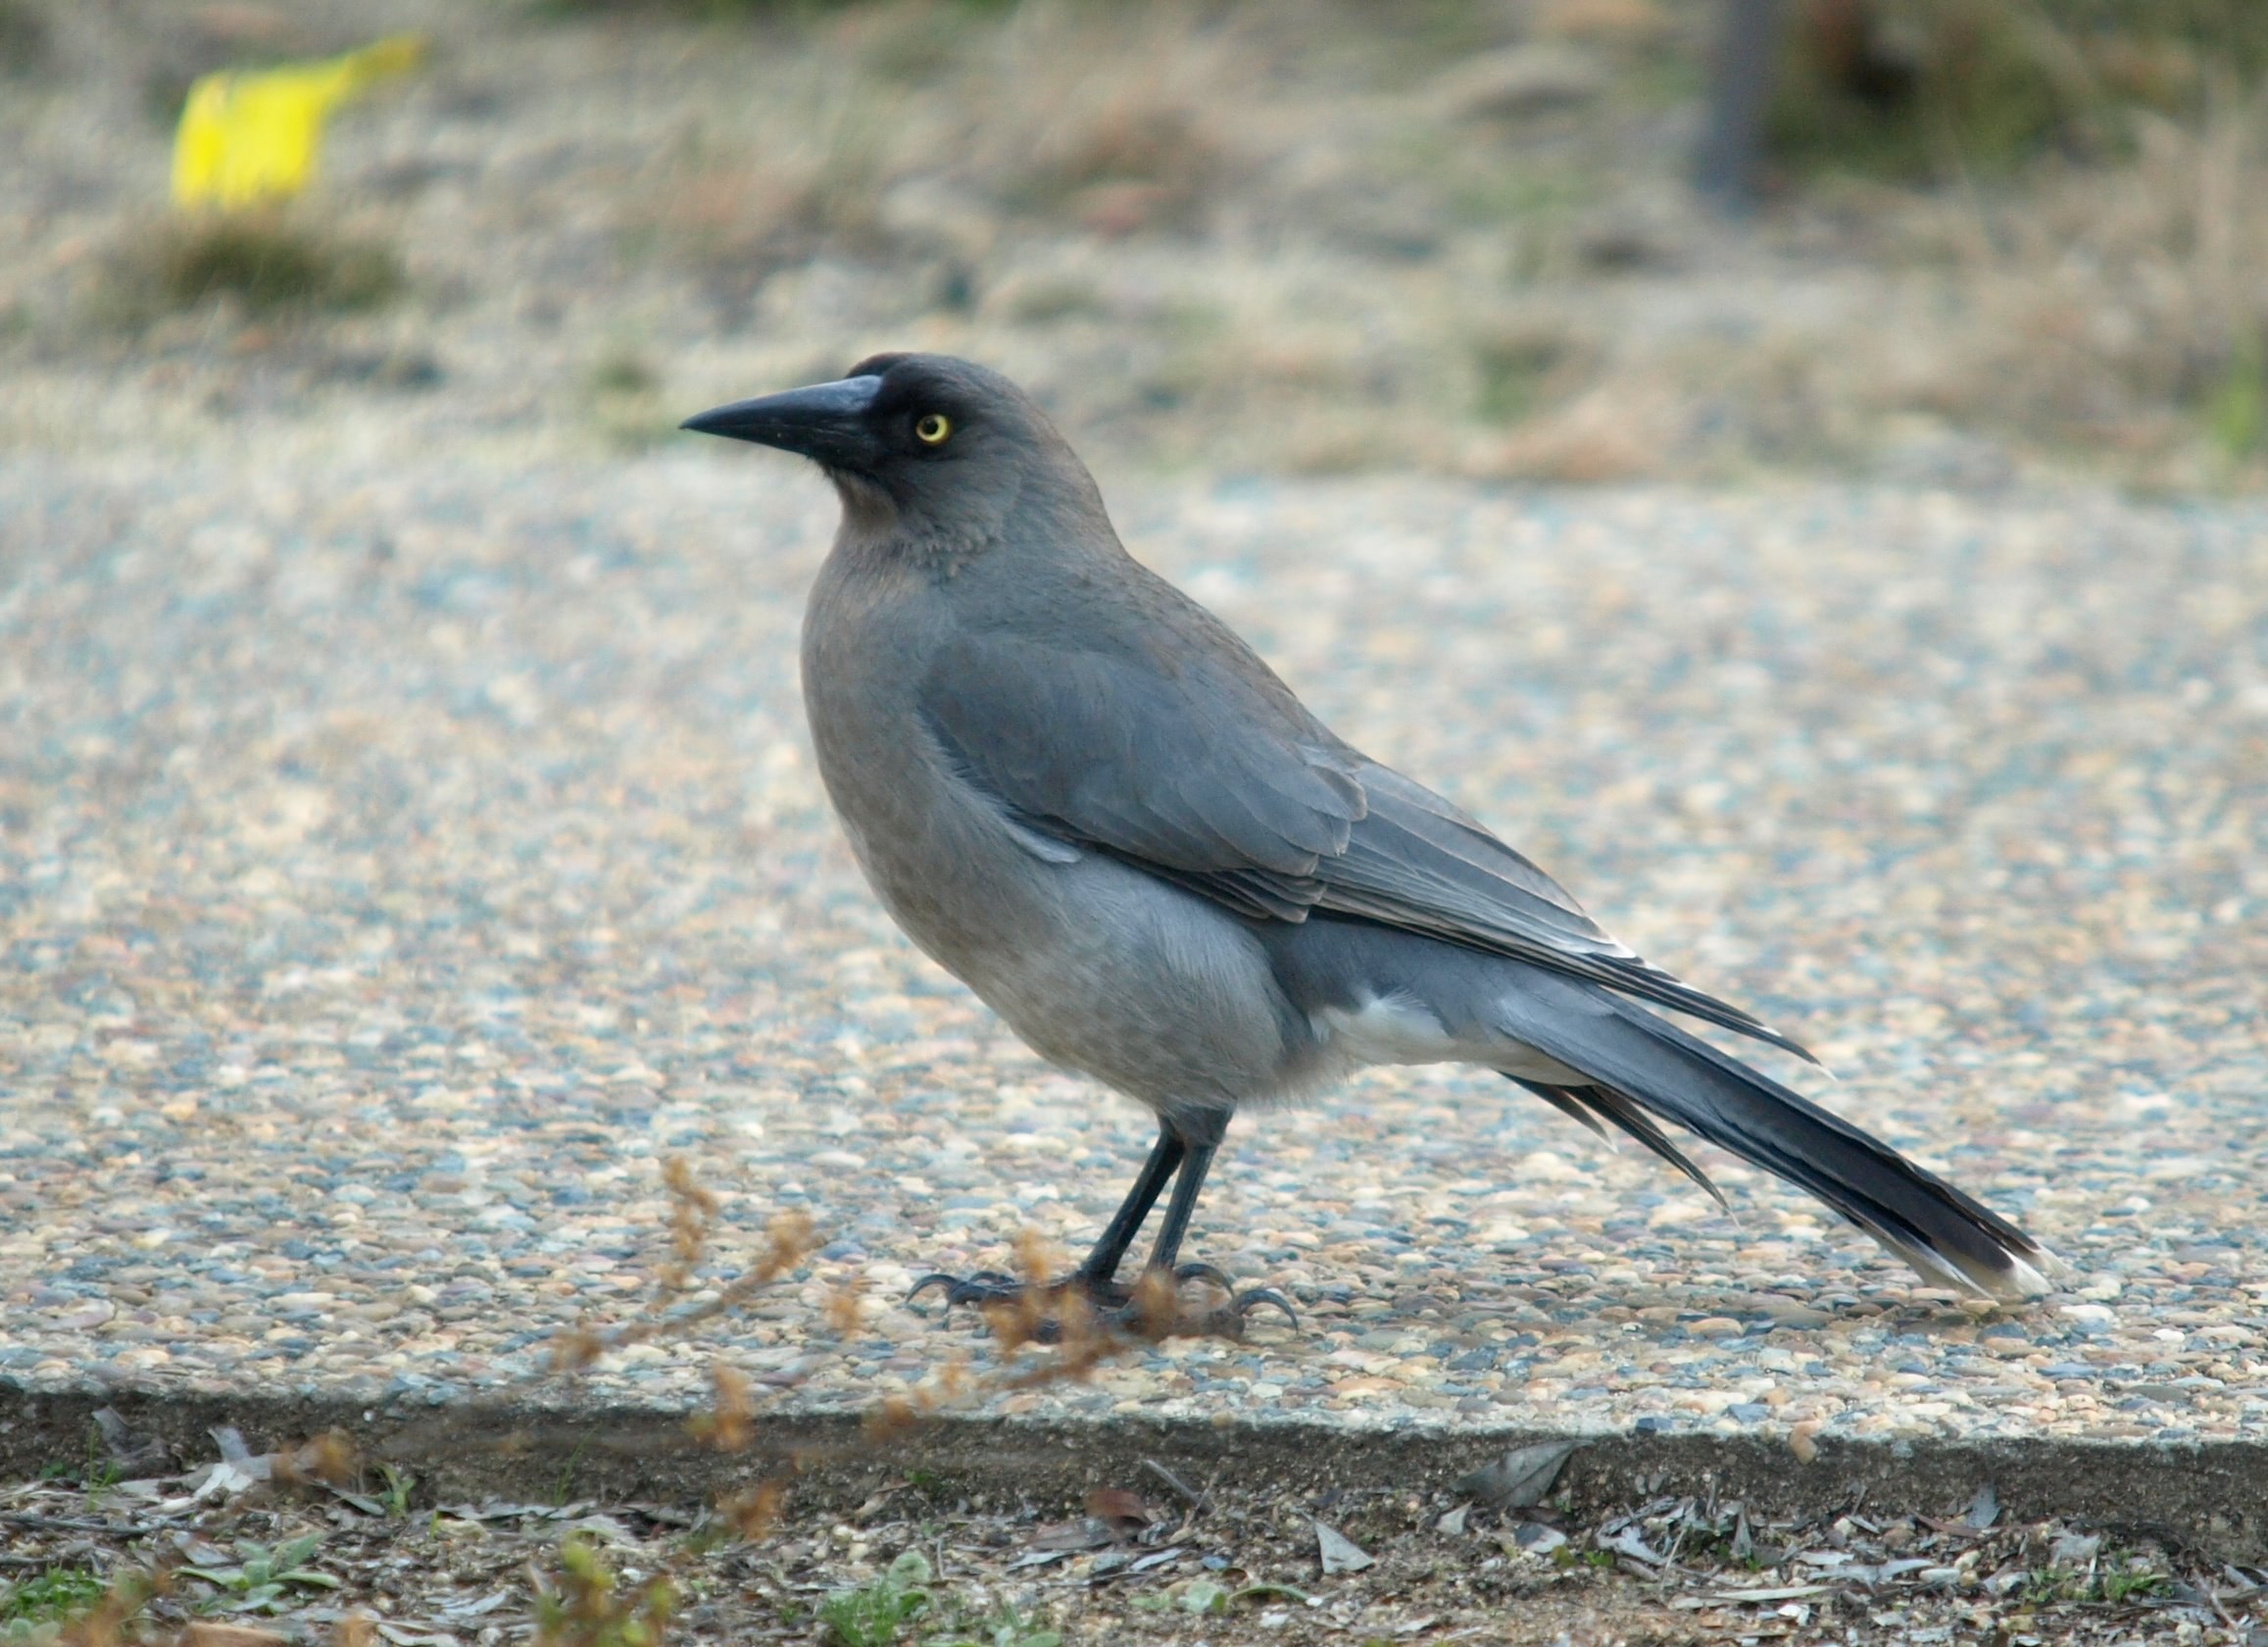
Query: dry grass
[1111, 118]
[1100, 116]
[1045, 1337]
[2119, 310]
[2091, 310]
[1925, 91]
[1318, 239]
[810, 181]
[263, 264]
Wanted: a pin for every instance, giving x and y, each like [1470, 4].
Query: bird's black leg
[1097, 1276]
[1187, 1187]
[1183, 1154]
[1166, 1253]
[1165, 1156]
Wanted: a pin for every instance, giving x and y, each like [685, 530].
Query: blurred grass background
[1997, 238]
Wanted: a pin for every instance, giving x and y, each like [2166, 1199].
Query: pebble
[379, 923]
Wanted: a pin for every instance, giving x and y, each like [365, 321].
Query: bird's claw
[1239, 1305]
[1116, 1306]
[1201, 1272]
[1251, 1299]
[979, 1287]
[994, 1289]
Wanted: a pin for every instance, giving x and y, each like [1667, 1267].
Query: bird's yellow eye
[932, 427]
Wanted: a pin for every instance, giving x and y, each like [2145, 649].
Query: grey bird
[1079, 793]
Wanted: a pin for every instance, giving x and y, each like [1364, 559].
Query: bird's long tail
[1643, 1066]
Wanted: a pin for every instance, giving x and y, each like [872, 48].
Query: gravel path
[397, 866]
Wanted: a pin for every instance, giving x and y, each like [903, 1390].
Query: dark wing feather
[1187, 770]
[1195, 762]
[1586, 1104]
[1417, 863]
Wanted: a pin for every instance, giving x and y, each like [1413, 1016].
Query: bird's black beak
[827, 422]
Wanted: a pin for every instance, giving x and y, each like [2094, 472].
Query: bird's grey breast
[869, 631]
[1098, 965]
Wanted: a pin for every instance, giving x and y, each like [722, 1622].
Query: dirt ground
[1453, 237]
[224, 1550]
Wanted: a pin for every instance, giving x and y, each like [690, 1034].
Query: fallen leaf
[1784, 1592]
[1123, 1512]
[197, 1551]
[134, 1456]
[1532, 1538]
[1518, 1479]
[605, 1529]
[1088, 1534]
[1339, 1553]
[225, 1479]
[1627, 1542]
[205, 1633]
[403, 1636]
[1206, 1595]
[1268, 1592]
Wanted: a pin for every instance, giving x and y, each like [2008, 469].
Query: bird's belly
[1098, 966]
[1396, 1030]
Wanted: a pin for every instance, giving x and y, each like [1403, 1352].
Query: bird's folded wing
[1417, 863]
[1202, 768]
[1190, 771]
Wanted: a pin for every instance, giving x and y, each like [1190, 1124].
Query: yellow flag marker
[253, 136]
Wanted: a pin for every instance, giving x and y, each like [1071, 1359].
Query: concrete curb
[2210, 1498]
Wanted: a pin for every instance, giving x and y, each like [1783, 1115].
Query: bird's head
[947, 447]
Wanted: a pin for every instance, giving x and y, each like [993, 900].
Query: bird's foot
[1226, 1319]
[1082, 1306]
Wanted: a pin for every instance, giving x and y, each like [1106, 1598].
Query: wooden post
[1726, 165]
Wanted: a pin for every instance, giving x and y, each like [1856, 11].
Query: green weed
[564, 1487]
[61, 1592]
[262, 1574]
[1516, 368]
[874, 1615]
[623, 370]
[2237, 413]
[590, 1609]
[2123, 1581]
[625, 399]
[1004, 1627]
[1923, 89]
[879, 1613]
[101, 1472]
[1207, 1596]
[24, 46]
[400, 1483]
